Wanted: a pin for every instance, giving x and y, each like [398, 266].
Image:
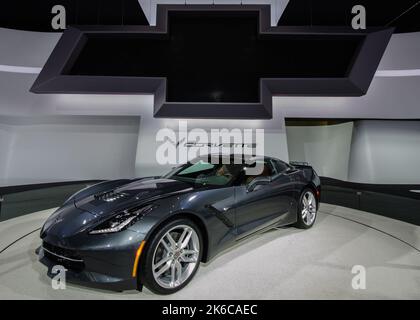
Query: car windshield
[206, 173]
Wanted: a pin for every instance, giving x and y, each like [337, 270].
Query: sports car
[155, 231]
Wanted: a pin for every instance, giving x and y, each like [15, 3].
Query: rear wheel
[307, 210]
[172, 258]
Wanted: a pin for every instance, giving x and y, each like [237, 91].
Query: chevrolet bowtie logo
[213, 61]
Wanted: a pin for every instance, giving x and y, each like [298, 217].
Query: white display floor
[285, 263]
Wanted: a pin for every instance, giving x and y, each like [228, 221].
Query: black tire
[145, 272]
[301, 222]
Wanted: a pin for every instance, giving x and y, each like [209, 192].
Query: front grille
[65, 257]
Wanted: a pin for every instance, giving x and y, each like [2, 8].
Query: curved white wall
[387, 98]
[26, 48]
[385, 152]
[48, 149]
[326, 148]
[364, 151]
[5, 143]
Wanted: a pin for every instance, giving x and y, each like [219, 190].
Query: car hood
[131, 194]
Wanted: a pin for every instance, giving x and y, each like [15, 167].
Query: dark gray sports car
[155, 231]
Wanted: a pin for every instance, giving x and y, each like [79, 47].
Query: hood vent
[110, 196]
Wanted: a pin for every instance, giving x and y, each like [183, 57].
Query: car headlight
[121, 220]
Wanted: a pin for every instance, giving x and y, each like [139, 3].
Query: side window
[280, 166]
[268, 171]
[275, 168]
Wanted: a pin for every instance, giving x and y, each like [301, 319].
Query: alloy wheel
[176, 256]
[308, 208]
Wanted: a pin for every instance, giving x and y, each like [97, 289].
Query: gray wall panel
[326, 148]
[385, 152]
[46, 149]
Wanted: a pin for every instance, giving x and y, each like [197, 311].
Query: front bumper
[106, 263]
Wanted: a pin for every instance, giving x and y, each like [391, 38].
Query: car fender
[172, 208]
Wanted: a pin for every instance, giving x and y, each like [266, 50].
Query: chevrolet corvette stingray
[155, 231]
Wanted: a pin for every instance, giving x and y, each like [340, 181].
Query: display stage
[284, 263]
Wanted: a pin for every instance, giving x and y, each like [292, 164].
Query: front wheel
[307, 210]
[172, 257]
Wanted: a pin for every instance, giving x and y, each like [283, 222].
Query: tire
[307, 212]
[166, 268]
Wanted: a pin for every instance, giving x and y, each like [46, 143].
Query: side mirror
[257, 183]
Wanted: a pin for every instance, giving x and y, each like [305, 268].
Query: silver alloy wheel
[176, 256]
[308, 208]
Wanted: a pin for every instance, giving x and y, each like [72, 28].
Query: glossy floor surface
[285, 263]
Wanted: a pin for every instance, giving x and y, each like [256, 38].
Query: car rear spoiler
[307, 169]
[300, 164]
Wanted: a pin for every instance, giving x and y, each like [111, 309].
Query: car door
[266, 205]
